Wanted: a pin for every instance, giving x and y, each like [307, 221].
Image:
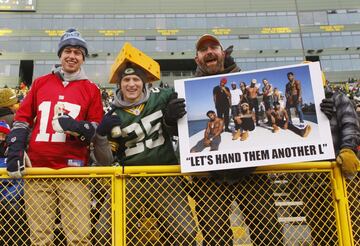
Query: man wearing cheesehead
[140, 124]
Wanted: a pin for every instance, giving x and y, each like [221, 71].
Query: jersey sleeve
[95, 112]
[27, 110]
[163, 94]
[168, 92]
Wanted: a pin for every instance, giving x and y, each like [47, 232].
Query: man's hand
[108, 122]
[348, 161]
[16, 164]
[174, 110]
[327, 107]
[229, 60]
[66, 124]
[16, 157]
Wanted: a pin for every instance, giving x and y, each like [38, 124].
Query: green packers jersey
[144, 139]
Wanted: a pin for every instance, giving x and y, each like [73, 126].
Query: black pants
[255, 198]
[213, 208]
[222, 111]
[291, 127]
[254, 104]
[234, 110]
[318, 207]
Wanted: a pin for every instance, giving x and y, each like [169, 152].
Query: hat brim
[72, 42]
[135, 70]
[207, 37]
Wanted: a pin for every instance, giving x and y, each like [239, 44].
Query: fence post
[343, 215]
[118, 207]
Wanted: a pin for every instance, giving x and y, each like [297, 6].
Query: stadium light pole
[300, 31]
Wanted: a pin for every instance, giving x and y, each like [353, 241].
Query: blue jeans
[298, 110]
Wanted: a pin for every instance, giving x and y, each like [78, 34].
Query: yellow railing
[296, 204]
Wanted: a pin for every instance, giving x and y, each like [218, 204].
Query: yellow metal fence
[297, 204]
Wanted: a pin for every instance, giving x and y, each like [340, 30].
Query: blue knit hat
[72, 37]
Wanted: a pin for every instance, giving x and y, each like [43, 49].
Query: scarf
[120, 103]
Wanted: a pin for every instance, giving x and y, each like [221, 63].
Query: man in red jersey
[62, 109]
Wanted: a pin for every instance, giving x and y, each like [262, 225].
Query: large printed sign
[274, 118]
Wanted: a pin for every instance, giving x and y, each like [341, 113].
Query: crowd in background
[351, 88]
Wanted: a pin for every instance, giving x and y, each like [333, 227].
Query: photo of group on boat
[258, 109]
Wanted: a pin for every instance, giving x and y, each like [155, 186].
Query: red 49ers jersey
[80, 99]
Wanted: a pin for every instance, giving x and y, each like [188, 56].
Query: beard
[212, 64]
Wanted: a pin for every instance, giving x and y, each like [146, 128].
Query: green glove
[348, 161]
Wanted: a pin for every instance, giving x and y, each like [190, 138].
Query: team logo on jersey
[13, 139]
[136, 110]
[59, 109]
[129, 70]
[87, 126]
